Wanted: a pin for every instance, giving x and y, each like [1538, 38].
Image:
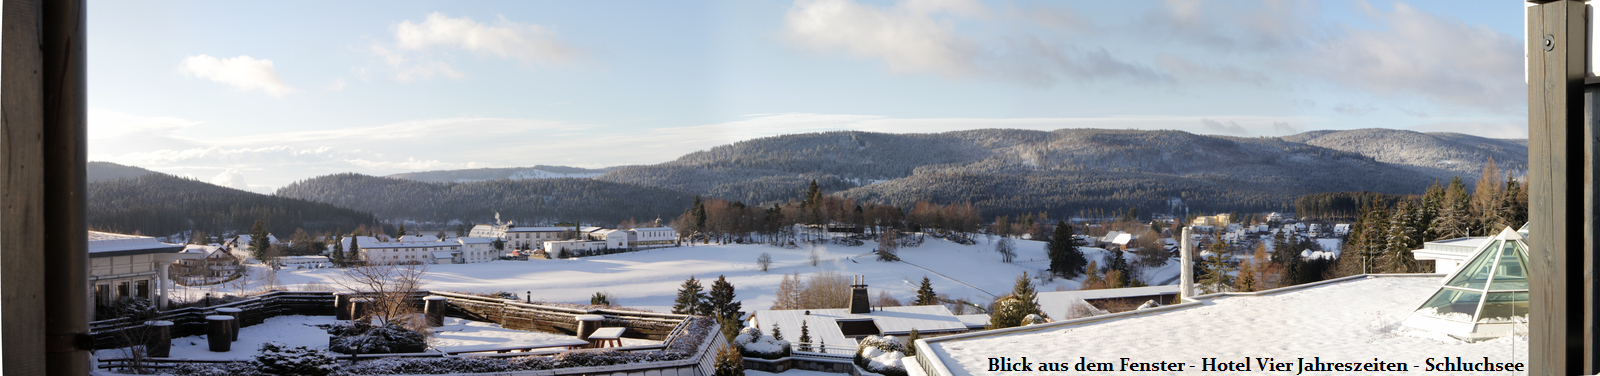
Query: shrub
[756, 345]
[278, 359]
[729, 362]
[881, 355]
[367, 339]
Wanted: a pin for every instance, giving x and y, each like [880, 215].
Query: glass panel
[1452, 305]
[1502, 306]
[1511, 274]
[1476, 274]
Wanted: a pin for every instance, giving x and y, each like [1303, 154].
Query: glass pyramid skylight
[1486, 298]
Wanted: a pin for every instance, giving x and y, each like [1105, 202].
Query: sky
[257, 95]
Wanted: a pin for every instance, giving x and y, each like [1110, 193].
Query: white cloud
[231, 178]
[921, 36]
[243, 72]
[1417, 53]
[525, 42]
[909, 37]
[336, 85]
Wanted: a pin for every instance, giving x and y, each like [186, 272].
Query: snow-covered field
[650, 279]
[1351, 321]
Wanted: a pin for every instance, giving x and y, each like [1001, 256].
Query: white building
[240, 247]
[131, 266]
[477, 249]
[374, 251]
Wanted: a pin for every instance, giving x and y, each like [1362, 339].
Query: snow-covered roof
[1111, 236]
[418, 238]
[475, 240]
[653, 229]
[1122, 239]
[443, 255]
[589, 229]
[975, 322]
[1450, 249]
[1335, 321]
[1056, 303]
[539, 229]
[896, 321]
[103, 244]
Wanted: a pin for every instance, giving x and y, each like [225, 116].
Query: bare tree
[764, 261]
[816, 256]
[391, 286]
[826, 290]
[1006, 248]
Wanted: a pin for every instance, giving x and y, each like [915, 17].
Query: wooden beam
[1557, 166]
[22, 220]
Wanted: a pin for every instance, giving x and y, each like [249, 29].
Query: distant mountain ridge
[159, 204]
[98, 171]
[1003, 171]
[512, 173]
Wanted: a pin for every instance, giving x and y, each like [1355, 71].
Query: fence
[509, 313]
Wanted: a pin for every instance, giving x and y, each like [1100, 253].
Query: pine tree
[337, 255]
[258, 241]
[1454, 220]
[805, 336]
[1066, 261]
[1514, 205]
[355, 250]
[777, 333]
[699, 213]
[1010, 309]
[401, 232]
[1119, 263]
[925, 294]
[721, 300]
[911, 342]
[1401, 238]
[729, 362]
[1486, 200]
[1215, 277]
[690, 300]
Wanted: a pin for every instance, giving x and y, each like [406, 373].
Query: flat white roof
[977, 321]
[107, 243]
[654, 229]
[823, 323]
[538, 229]
[476, 240]
[1354, 320]
[1056, 303]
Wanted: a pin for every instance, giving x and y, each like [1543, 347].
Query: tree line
[160, 204]
[526, 201]
[1383, 236]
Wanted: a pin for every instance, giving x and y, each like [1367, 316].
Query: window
[102, 293]
[143, 289]
[122, 290]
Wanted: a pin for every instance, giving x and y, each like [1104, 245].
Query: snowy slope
[650, 279]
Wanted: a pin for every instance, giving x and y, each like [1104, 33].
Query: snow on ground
[650, 279]
[1351, 321]
[301, 331]
[289, 330]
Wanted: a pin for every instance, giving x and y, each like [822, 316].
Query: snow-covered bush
[848, 242]
[278, 359]
[881, 355]
[214, 369]
[1148, 304]
[752, 343]
[136, 309]
[1032, 320]
[358, 338]
[909, 241]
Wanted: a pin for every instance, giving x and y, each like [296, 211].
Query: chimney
[858, 297]
[1186, 288]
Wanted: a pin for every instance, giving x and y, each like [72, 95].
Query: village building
[476, 249]
[240, 247]
[205, 263]
[130, 266]
[651, 237]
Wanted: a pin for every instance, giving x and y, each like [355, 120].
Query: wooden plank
[1556, 178]
[21, 153]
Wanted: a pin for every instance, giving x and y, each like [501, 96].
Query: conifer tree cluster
[1066, 261]
[719, 304]
[1384, 234]
[1009, 310]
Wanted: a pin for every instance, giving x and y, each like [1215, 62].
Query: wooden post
[1560, 198]
[44, 268]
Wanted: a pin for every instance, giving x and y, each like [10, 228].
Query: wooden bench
[603, 336]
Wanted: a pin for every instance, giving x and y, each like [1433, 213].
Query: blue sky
[257, 95]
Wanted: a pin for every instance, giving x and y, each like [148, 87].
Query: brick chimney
[858, 297]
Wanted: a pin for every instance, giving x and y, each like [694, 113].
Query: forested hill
[158, 204]
[513, 173]
[98, 171]
[1440, 155]
[1013, 171]
[525, 201]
